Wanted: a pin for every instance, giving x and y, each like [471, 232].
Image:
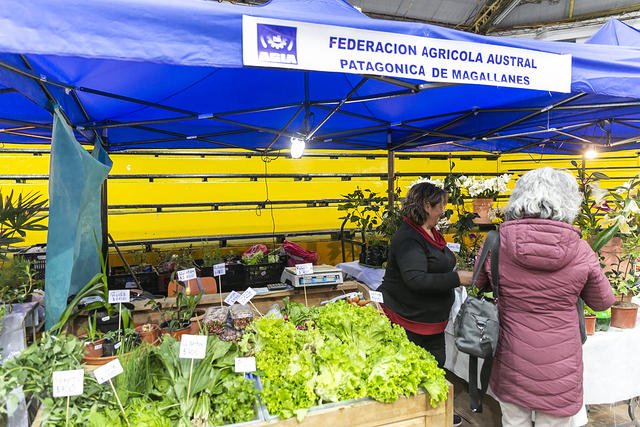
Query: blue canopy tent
[170, 74]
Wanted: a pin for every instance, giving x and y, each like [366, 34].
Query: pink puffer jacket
[544, 267]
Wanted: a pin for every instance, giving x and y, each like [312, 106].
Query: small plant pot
[106, 323]
[590, 324]
[93, 349]
[624, 297]
[109, 348]
[196, 320]
[150, 336]
[373, 256]
[177, 333]
[623, 315]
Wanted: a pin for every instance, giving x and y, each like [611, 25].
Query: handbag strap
[491, 244]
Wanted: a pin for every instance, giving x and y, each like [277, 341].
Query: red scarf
[437, 240]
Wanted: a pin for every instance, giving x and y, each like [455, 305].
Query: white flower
[437, 182]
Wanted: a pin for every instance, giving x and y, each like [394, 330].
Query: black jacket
[419, 282]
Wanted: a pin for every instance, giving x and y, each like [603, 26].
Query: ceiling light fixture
[297, 147]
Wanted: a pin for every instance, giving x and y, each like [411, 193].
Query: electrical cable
[266, 159]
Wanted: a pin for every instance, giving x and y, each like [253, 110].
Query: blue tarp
[103, 60]
[75, 230]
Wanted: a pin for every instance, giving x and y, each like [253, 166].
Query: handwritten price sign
[219, 269]
[108, 371]
[119, 296]
[193, 346]
[245, 364]
[68, 383]
[302, 269]
[232, 298]
[186, 275]
[246, 296]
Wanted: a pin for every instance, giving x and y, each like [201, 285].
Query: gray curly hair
[545, 193]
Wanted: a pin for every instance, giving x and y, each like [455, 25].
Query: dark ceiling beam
[486, 15]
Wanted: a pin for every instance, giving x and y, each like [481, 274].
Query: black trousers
[434, 344]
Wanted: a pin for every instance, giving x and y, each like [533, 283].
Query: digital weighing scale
[322, 275]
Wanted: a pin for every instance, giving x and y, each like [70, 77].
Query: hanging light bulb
[591, 153]
[297, 147]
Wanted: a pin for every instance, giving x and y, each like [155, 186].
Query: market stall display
[305, 359]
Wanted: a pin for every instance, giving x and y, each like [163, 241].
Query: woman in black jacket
[418, 285]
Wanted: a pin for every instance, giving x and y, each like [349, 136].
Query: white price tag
[246, 296]
[97, 346]
[106, 318]
[232, 298]
[108, 371]
[68, 383]
[219, 269]
[117, 345]
[186, 275]
[302, 269]
[193, 346]
[245, 364]
[453, 247]
[376, 296]
[119, 296]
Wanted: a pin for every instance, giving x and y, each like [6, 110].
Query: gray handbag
[476, 326]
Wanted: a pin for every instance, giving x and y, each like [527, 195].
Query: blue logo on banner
[277, 43]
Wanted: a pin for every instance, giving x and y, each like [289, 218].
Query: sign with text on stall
[302, 269]
[219, 269]
[193, 346]
[108, 371]
[232, 297]
[119, 296]
[68, 383]
[246, 296]
[278, 43]
[186, 275]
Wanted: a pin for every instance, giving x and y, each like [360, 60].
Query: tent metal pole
[385, 95]
[534, 132]
[153, 141]
[390, 171]
[336, 108]
[23, 123]
[210, 141]
[349, 113]
[529, 116]
[275, 138]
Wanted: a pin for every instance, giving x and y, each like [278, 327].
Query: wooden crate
[405, 412]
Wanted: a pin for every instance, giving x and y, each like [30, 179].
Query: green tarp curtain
[75, 181]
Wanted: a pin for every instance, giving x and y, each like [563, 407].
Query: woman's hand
[465, 277]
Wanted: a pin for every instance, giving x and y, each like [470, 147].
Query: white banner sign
[279, 43]
[376, 296]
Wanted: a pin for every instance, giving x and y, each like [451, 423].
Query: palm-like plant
[17, 216]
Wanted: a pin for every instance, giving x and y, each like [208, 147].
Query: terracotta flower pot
[590, 324]
[482, 208]
[150, 335]
[196, 320]
[93, 349]
[623, 315]
[178, 332]
[624, 297]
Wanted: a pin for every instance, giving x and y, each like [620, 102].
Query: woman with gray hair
[544, 266]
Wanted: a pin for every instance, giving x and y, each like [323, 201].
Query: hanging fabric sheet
[75, 180]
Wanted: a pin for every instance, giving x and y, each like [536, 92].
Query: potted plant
[93, 345]
[484, 191]
[366, 209]
[148, 332]
[176, 320]
[589, 320]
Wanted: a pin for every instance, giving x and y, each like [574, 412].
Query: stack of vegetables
[152, 387]
[337, 352]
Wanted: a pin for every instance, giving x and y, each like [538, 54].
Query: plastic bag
[215, 319]
[298, 255]
[242, 315]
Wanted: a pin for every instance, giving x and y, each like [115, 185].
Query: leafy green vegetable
[345, 352]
